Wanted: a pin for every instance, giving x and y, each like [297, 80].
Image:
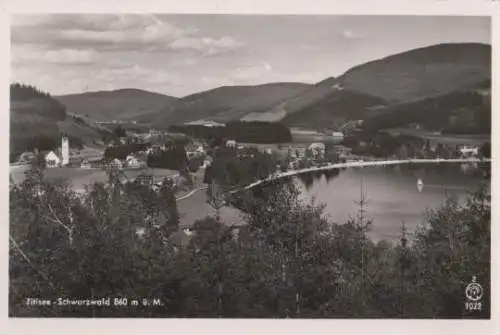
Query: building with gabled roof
[52, 158]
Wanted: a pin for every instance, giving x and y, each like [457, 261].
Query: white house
[469, 151]
[206, 162]
[85, 164]
[338, 135]
[52, 159]
[116, 163]
[231, 144]
[317, 150]
[200, 149]
[132, 162]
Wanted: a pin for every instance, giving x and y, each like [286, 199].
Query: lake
[391, 192]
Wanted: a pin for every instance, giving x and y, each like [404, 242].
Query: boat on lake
[420, 185]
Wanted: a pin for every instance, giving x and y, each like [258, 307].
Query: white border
[145, 326]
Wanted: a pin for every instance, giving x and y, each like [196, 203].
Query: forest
[284, 259]
[240, 131]
[453, 113]
[173, 157]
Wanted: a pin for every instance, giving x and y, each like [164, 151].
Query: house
[26, 157]
[200, 150]
[132, 162]
[300, 153]
[342, 149]
[75, 161]
[231, 144]
[205, 123]
[294, 164]
[85, 164]
[115, 164]
[468, 152]
[317, 150]
[52, 159]
[145, 179]
[338, 135]
[97, 163]
[207, 162]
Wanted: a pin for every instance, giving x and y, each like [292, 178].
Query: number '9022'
[473, 306]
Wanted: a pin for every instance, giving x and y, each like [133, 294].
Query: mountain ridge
[404, 77]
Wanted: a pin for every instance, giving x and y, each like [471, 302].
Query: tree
[283, 258]
[113, 240]
[453, 248]
[119, 132]
[485, 150]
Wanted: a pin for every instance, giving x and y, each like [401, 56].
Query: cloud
[22, 56]
[252, 72]
[116, 32]
[206, 45]
[69, 56]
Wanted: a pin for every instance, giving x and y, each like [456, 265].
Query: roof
[317, 145]
[27, 155]
[57, 152]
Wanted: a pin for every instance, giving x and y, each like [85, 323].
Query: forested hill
[123, 104]
[362, 92]
[37, 120]
[459, 112]
[422, 73]
[412, 79]
[231, 103]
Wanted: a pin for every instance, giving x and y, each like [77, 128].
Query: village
[131, 154]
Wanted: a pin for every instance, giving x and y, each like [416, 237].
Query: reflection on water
[393, 195]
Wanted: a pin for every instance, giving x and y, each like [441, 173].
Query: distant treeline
[457, 113]
[173, 158]
[235, 168]
[240, 131]
[122, 151]
[381, 144]
[24, 92]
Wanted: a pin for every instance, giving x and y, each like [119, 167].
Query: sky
[179, 55]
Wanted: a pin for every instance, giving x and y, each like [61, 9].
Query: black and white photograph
[250, 166]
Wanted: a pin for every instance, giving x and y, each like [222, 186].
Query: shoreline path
[337, 166]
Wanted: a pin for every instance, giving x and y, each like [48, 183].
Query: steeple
[65, 150]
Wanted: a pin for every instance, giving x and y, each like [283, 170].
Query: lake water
[391, 192]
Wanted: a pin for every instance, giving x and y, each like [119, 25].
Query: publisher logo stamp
[473, 293]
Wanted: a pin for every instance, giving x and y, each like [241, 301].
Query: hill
[459, 112]
[37, 121]
[123, 104]
[229, 103]
[334, 108]
[421, 73]
[367, 89]
[363, 91]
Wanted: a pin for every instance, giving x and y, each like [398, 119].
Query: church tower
[65, 150]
